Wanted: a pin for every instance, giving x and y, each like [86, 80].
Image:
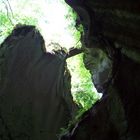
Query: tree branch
[10, 8]
[8, 13]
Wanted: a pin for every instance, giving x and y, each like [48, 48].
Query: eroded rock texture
[112, 54]
[35, 101]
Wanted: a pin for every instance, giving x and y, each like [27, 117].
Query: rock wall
[112, 54]
[35, 98]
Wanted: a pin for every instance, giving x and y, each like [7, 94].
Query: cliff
[112, 54]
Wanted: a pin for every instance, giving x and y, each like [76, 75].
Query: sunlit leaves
[83, 90]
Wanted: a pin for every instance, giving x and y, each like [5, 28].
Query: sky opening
[50, 16]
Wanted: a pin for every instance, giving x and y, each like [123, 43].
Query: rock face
[35, 101]
[112, 54]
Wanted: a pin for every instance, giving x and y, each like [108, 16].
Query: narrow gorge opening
[57, 23]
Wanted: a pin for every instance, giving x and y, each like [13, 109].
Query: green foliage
[28, 20]
[5, 26]
[83, 90]
[9, 20]
[77, 31]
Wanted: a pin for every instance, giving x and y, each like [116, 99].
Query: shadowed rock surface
[35, 99]
[112, 54]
